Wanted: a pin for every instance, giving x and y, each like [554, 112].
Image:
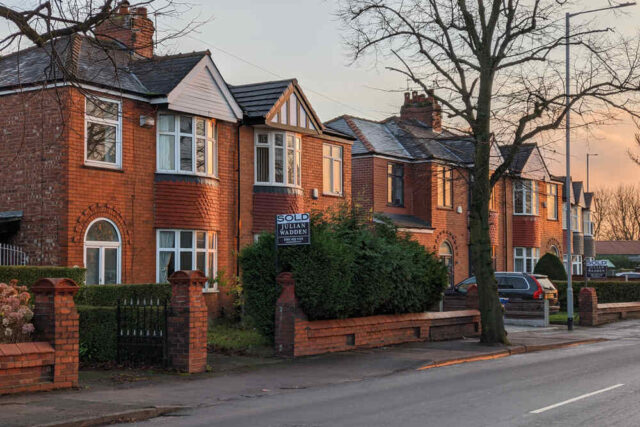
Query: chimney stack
[129, 26]
[423, 108]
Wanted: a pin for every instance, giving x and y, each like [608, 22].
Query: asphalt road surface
[589, 385]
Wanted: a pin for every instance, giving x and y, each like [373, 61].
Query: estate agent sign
[293, 229]
[596, 269]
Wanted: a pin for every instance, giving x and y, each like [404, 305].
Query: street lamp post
[568, 153]
[589, 155]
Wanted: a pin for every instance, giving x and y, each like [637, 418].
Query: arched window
[102, 252]
[446, 255]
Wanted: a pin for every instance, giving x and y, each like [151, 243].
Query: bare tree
[618, 213]
[497, 69]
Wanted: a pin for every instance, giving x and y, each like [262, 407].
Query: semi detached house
[416, 173]
[135, 165]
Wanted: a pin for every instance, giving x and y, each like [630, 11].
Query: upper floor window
[278, 159]
[445, 187]
[564, 215]
[493, 199]
[552, 201]
[576, 221]
[187, 144]
[103, 132]
[395, 184]
[587, 226]
[332, 169]
[525, 197]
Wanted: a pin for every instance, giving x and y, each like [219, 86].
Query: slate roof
[619, 247]
[105, 64]
[406, 221]
[588, 199]
[257, 99]
[404, 139]
[521, 157]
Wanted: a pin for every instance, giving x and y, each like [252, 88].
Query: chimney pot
[407, 97]
[124, 8]
[141, 12]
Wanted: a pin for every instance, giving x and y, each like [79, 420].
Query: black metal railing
[142, 331]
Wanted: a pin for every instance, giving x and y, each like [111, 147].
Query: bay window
[564, 215]
[187, 144]
[278, 159]
[187, 250]
[525, 259]
[332, 169]
[525, 197]
[576, 264]
[575, 219]
[586, 223]
[103, 132]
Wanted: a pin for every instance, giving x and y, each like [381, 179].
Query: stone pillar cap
[55, 285]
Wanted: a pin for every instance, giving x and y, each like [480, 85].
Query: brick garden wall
[296, 336]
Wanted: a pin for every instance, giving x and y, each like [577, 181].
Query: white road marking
[584, 396]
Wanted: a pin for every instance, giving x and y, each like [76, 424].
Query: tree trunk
[490, 308]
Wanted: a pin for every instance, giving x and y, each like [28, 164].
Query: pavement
[111, 396]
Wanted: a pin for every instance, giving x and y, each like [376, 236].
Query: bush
[97, 333]
[351, 269]
[607, 292]
[27, 275]
[108, 295]
[551, 265]
[15, 314]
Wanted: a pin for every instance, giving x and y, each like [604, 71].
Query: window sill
[95, 166]
[210, 291]
[445, 208]
[333, 195]
[195, 175]
[526, 214]
[391, 205]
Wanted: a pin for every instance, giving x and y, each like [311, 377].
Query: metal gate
[142, 331]
[12, 255]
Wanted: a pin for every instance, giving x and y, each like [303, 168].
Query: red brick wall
[296, 336]
[33, 155]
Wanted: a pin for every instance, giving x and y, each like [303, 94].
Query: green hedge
[27, 275]
[607, 292]
[97, 333]
[551, 266]
[108, 295]
[351, 269]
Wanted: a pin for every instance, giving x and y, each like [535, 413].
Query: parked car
[513, 285]
[629, 275]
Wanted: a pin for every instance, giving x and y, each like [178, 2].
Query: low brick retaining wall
[594, 314]
[295, 335]
[52, 361]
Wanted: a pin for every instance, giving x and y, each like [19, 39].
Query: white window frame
[576, 264]
[107, 122]
[525, 254]
[211, 250]
[552, 194]
[297, 158]
[101, 246]
[530, 193]
[333, 159]
[211, 145]
[576, 219]
[587, 228]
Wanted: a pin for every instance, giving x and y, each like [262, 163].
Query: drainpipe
[506, 230]
[238, 207]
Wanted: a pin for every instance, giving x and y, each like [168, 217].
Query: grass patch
[560, 318]
[232, 338]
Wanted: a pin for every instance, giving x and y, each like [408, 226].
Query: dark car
[515, 286]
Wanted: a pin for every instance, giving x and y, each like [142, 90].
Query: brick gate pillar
[187, 323]
[56, 320]
[588, 307]
[286, 312]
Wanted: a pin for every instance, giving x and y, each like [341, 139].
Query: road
[590, 385]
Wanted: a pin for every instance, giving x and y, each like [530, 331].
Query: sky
[258, 40]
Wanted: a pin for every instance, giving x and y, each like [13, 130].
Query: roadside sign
[596, 269]
[293, 229]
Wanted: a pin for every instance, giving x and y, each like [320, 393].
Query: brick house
[142, 164]
[415, 172]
